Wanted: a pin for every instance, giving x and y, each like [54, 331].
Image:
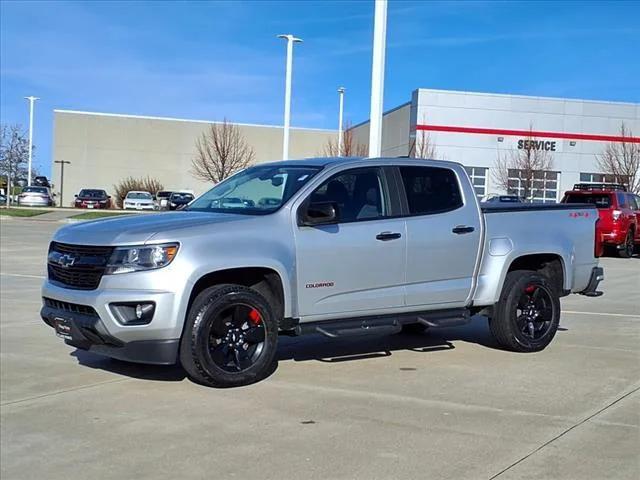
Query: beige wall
[395, 131]
[103, 149]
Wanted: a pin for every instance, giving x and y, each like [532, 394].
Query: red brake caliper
[255, 317]
[530, 289]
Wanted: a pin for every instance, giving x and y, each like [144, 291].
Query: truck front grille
[77, 266]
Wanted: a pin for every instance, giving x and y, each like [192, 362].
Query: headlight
[138, 258]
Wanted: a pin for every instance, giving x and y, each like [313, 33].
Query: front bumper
[597, 275]
[139, 207]
[88, 332]
[154, 342]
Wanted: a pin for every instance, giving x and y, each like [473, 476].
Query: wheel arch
[266, 280]
[550, 264]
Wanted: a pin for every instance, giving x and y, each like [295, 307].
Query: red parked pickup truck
[619, 212]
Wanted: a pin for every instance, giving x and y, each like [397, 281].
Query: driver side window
[358, 193]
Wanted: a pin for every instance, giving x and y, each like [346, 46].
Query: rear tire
[627, 249]
[230, 337]
[527, 315]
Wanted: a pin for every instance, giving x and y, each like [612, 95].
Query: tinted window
[358, 194]
[139, 195]
[599, 200]
[430, 189]
[636, 198]
[92, 193]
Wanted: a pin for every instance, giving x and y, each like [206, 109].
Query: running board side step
[384, 325]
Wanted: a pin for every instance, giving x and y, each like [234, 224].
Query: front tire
[527, 315]
[230, 337]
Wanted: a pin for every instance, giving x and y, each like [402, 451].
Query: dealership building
[474, 129]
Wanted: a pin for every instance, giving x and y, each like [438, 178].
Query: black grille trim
[69, 307]
[85, 272]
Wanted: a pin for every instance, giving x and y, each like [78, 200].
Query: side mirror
[109, 196]
[76, 195]
[319, 213]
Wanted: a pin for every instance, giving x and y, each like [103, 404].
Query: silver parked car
[137, 200]
[35, 197]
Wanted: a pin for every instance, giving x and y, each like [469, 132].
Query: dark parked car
[41, 181]
[504, 199]
[162, 199]
[178, 200]
[92, 198]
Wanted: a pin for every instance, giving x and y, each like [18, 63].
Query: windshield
[35, 190]
[163, 194]
[181, 197]
[140, 195]
[600, 201]
[255, 191]
[93, 193]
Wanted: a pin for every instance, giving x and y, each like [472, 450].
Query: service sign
[529, 144]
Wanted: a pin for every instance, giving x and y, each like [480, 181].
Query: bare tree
[14, 154]
[621, 160]
[524, 166]
[221, 151]
[422, 147]
[350, 146]
[129, 184]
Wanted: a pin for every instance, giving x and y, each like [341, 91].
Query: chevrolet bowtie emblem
[66, 260]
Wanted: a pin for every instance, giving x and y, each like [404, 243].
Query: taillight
[616, 215]
[598, 247]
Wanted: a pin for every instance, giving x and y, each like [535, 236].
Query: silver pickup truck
[328, 246]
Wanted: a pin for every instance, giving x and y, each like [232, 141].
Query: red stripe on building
[528, 133]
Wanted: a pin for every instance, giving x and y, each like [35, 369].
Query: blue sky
[211, 60]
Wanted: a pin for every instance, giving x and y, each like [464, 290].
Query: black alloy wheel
[534, 315]
[527, 315]
[627, 249]
[230, 337]
[236, 337]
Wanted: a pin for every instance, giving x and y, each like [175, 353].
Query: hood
[137, 229]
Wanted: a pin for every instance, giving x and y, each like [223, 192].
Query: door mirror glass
[320, 213]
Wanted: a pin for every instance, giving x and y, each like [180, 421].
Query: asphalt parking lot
[443, 405]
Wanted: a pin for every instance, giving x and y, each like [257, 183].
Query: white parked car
[137, 200]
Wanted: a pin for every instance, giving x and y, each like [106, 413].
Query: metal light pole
[287, 93]
[62, 164]
[31, 99]
[377, 77]
[341, 91]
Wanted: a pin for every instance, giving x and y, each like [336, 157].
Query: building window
[542, 188]
[601, 178]
[478, 176]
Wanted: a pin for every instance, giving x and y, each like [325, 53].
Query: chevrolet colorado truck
[332, 246]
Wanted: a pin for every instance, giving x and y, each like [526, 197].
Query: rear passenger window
[430, 189]
[622, 200]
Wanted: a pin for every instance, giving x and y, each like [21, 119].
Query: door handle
[386, 236]
[460, 229]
